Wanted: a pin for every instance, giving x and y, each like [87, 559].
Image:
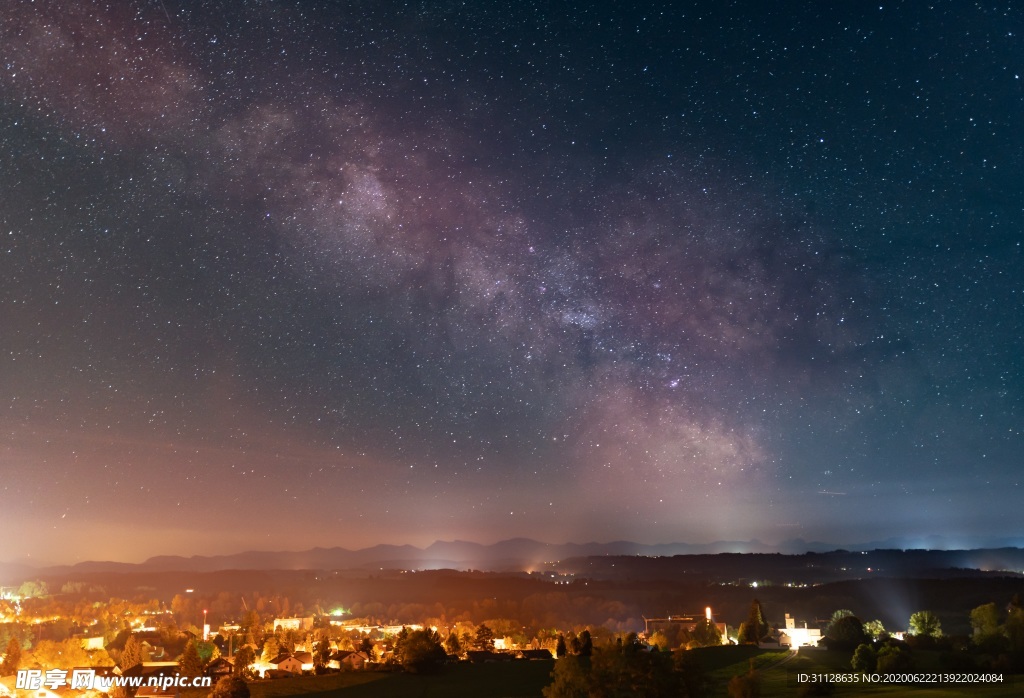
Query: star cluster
[276, 275]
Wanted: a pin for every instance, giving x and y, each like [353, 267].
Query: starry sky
[276, 275]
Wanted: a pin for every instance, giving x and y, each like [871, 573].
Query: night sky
[276, 275]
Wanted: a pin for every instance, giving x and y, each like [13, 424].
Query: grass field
[778, 674]
[522, 679]
[328, 684]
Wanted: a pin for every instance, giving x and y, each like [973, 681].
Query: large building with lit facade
[795, 637]
[687, 622]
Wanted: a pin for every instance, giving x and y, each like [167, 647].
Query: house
[153, 673]
[305, 659]
[482, 656]
[147, 669]
[335, 657]
[348, 660]
[294, 623]
[91, 644]
[219, 668]
[534, 654]
[286, 662]
[8, 687]
[151, 652]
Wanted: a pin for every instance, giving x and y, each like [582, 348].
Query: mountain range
[516, 554]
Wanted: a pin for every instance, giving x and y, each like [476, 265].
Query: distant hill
[523, 554]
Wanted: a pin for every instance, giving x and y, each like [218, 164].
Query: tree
[420, 652]
[1013, 628]
[251, 622]
[12, 657]
[230, 687]
[560, 648]
[185, 608]
[836, 617]
[207, 651]
[484, 638]
[846, 633]
[569, 679]
[243, 659]
[59, 629]
[22, 634]
[659, 641]
[876, 630]
[706, 634]
[131, 655]
[893, 658]
[323, 652]
[623, 669]
[399, 643]
[451, 645]
[617, 670]
[586, 644]
[985, 621]
[677, 635]
[271, 649]
[288, 639]
[48, 654]
[366, 647]
[190, 664]
[755, 626]
[925, 624]
[33, 589]
[693, 675]
[865, 660]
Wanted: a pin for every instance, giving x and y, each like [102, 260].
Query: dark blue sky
[276, 275]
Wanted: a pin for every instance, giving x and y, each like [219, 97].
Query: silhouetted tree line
[626, 668]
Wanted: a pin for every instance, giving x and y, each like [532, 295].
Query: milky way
[283, 275]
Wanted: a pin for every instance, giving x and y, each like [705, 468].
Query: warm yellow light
[707, 613]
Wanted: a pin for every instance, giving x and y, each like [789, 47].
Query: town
[524, 622]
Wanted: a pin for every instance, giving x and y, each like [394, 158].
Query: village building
[688, 622]
[795, 637]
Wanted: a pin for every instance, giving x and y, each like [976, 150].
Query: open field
[778, 674]
[315, 685]
[521, 679]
